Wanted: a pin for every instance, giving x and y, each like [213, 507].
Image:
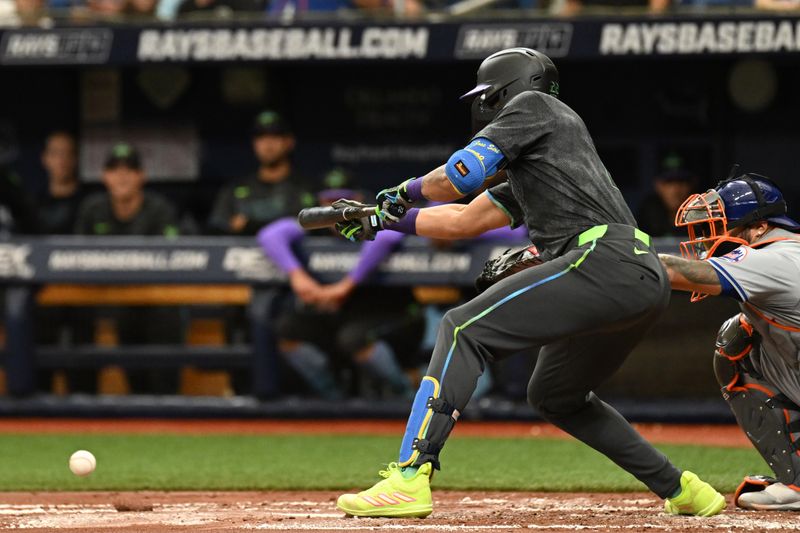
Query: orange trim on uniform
[759, 244]
[772, 320]
[761, 388]
[729, 386]
[747, 326]
[738, 355]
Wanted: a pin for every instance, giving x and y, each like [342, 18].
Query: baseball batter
[599, 290]
[742, 245]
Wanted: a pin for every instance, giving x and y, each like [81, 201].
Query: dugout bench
[92, 271]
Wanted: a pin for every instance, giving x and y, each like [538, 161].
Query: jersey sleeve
[520, 124]
[502, 196]
[755, 275]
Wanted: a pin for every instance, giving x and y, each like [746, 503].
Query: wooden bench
[147, 295]
[200, 331]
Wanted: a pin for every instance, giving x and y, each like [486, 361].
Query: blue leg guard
[427, 406]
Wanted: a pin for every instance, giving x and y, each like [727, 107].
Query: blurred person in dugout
[672, 185]
[58, 203]
[273, 191]
[126, 208]
[17, 211]
[57, 209]
[327, 330]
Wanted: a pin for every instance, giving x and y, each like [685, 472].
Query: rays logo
[735, 256]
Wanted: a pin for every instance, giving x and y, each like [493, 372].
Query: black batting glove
[362, 229]
[394, 202]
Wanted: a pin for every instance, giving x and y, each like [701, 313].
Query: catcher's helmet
[505, 74]
[751, 198]
[735, 203]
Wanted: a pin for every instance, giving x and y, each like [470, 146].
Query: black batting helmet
[505, 74]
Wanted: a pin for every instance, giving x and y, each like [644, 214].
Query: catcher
[742, 245]
[597, 292]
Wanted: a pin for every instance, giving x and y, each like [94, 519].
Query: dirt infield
[146, 512]
[314, 511]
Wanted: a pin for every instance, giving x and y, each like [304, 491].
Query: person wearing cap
[672, 185]
[332, 325]
[270, 193]
[744, 246]
[126, 208]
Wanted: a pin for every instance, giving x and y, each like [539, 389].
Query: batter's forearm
[443, 222]
[691, 275]
[436, 186]
[457, 221]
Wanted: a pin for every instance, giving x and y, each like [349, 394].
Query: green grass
[242, 462]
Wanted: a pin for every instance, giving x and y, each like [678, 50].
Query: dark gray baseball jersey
[597, 295]
[766, 280]
[557, 186]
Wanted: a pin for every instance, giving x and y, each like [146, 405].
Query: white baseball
[82, 463]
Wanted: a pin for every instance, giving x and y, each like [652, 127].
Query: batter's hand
[394, 202]
[362, 229]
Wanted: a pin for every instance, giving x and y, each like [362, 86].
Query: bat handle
[353, 213]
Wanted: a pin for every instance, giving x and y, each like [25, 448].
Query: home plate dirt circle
[122, 512]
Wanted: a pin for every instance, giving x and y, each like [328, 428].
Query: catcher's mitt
[509, 262]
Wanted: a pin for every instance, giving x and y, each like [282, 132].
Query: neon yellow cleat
[395, 496]
[697, 498]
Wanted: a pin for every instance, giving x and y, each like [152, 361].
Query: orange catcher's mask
[703, 216]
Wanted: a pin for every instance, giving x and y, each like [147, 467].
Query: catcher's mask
[505, 74]
[710, 217]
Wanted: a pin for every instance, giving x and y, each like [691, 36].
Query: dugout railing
[672, 364]
[53, 270]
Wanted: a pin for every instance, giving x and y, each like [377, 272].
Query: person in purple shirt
[342, 316]
[337, 325]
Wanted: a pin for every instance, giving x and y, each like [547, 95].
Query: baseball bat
[323, 217]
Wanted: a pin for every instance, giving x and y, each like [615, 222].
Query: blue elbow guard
[469, 167]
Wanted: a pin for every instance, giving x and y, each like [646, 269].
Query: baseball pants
[588, 309]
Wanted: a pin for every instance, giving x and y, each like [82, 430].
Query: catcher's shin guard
[769, 419]
[772, 424]
[429, 424]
